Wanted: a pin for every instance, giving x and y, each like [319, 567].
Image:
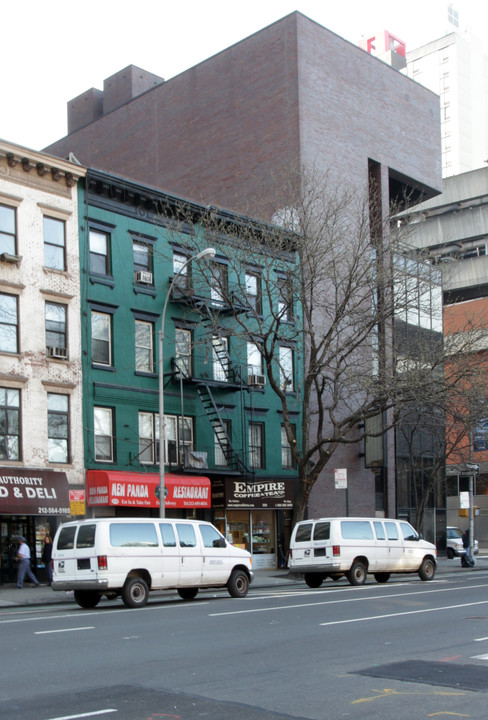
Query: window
[304, 532]
[218, 282]
[211, 538]
[256, 445]
[285, 306]
[103, 432]
[8, 230]
[286, 369]
[179, 436]
[57, 428]
[167, 534]
[54, 243]
[9, 331]
[356, 530]
[254, 359]
[133, 535]
[321, 531]
[9, 424]
[66, 540]
[99, 252]
[179, 260]
[186, 535]
[86, 536]
[148, 438]
[221, 449]
[391, 531]
[220, 358]
[144, 347]
[56, 326]
[253, 291]
[142, 256]
[287, 460]
[183, 345]
[101, 338]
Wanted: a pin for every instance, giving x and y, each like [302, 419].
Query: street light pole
[207, 253]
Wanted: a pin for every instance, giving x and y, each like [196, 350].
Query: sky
[54, 50]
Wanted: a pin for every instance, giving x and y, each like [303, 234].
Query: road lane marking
[479, 657]
[83, 715]
[480, 639]
[48, 632]
[400, 614]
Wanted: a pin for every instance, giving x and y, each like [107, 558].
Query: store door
[11, 527]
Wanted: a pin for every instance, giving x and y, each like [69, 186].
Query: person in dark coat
[47, 552]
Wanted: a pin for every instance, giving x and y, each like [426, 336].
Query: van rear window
[66, 539]
[304, 532]
[356, 530]
[86, 536]
[133, 535]
[321, 531]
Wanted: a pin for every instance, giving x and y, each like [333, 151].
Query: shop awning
[124, 489]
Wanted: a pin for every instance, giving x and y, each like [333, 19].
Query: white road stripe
[479, 657]
[48, 632]
[401, 614]
[83, 715]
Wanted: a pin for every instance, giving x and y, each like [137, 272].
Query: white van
[131, 556]
[354, 547]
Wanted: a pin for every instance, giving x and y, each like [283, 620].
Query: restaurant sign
[25, 491]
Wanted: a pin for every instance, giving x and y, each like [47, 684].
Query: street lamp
[207, 253]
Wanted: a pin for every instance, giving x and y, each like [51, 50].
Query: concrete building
[227, 132]
[41, 438]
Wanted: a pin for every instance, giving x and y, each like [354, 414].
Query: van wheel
[382, 577]
[427, 569]
[87, 598]
[357, 574]
[187, 593]
[313, 580]
[238, 584]
[135, 592]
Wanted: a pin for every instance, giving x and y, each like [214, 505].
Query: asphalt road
[406, 650]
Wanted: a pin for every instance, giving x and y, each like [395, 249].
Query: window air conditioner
[257, 380]
[143, 277]
[56, 352]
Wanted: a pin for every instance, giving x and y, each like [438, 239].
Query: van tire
[427, 569]
[313, 580]
[357, 574]
[135, 592]
[238, 584]
[382, 577]
[87, 598]
[187, 593]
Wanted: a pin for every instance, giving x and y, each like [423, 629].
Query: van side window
[133, 535]
[168, 534]
[304, 532]
[391, 531]
[86, 536]
[408, 532]
[211, 538]
[66, 539]
[321, 531]
[356, 530]
[186, 535]
[379, 530]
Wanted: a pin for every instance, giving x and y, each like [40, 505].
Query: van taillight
[102, 562]
[291, 552]
[336, 550]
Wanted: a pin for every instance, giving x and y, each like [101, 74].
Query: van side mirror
[221, 543]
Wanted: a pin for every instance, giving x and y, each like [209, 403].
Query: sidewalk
[11, 596]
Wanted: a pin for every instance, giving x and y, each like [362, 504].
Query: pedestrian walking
[24, 557]
[47, 552]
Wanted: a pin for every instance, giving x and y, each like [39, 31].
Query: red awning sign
[123, 489]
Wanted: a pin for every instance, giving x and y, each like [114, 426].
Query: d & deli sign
[33, 492]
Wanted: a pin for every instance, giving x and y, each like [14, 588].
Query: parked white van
[131, 556]
[354, 547]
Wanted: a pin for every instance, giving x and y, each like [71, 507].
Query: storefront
[31, 505]
[123, 491]
[255, 516]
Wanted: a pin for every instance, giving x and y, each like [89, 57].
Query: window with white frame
[58, 428]
[9, 323]
[99, 252]
[253, 291]
[183, 351]
[287, 460]
[218, 282]
[56, 336]
[180, 259]
[254, 359]
[144, 346]
[10, 446]
[103, 434]
[8, 230]
[256, 445]
[142, 253]
[179, 437]
[101, 338]
[149, 438]
[286, 368]
[220, 358]
[221, 448]
[54, 243]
